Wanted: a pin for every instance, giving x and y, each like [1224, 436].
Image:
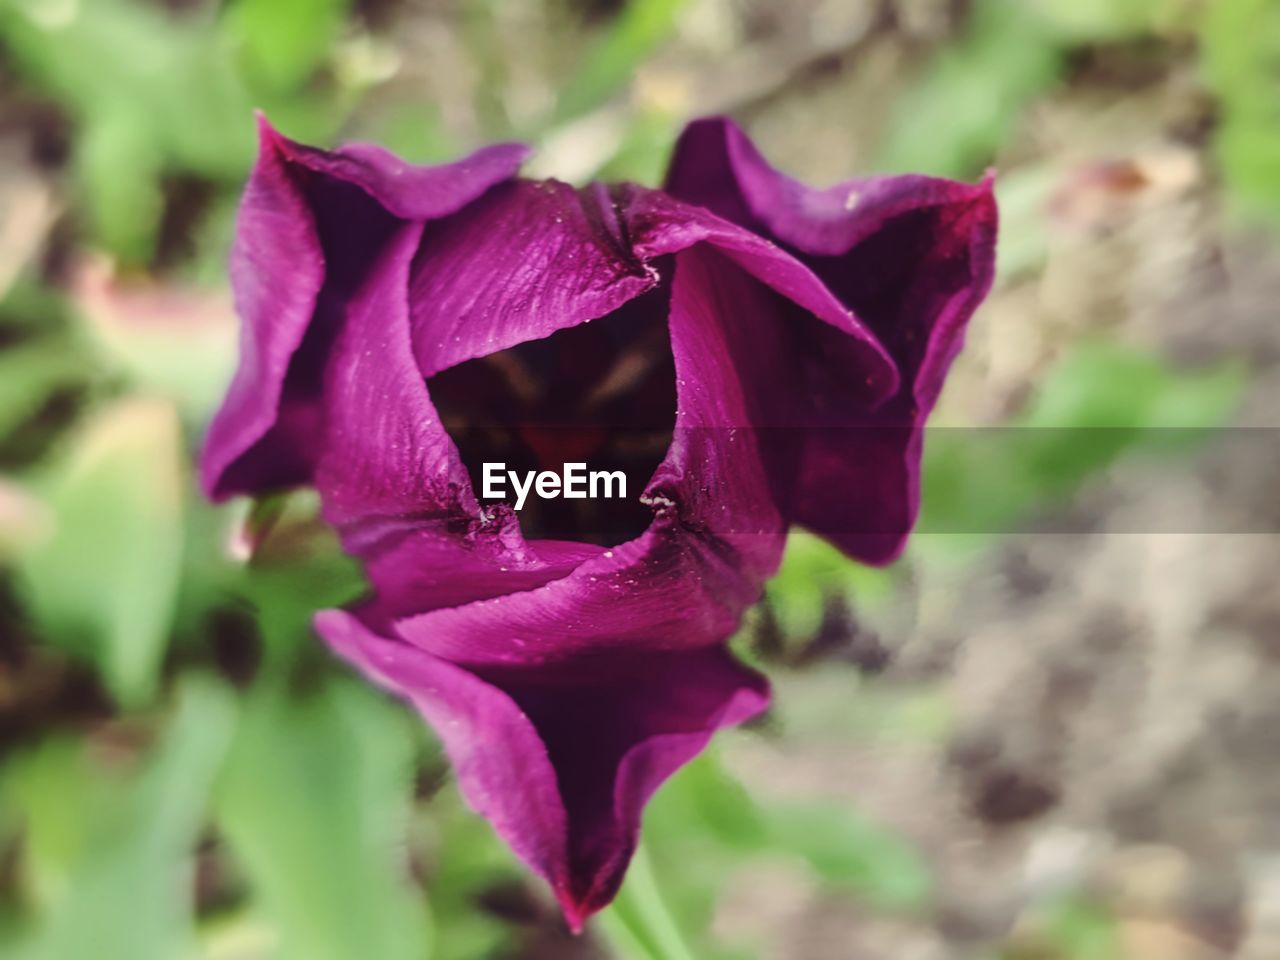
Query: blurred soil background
[1049, 732]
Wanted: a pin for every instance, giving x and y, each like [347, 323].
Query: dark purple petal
[310, 223]
[383, 452]
[562, 761]
[660, 226]
[716, 475]
[672, 588]
[389, 475]
[528, 259]
[405, 190]
[419, 566]
[912, 257]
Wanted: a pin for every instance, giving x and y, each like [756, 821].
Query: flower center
[601, 394]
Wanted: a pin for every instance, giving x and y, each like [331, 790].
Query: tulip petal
[528, 259]
[389, 476]
[671, 588]
[309, 225]
[912, 257]
[562, 762]
[660, 225]
[384, 451]
[405, 190]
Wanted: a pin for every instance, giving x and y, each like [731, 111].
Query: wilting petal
[562, 761]
[309, 225]
[912, 257]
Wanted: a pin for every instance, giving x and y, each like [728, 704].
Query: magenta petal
[385, 452]
[405, 190]
[727, 339]
[562, 762]
[911, 257]
[309, 224]
[389, 476]
[660, 225]
[277, 270]
[669, 589]
[418, 567]
[528, 259]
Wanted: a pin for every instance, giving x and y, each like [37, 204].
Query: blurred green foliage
[295, 814]
[104, 584]
[109, 838]
[313, 804]
[1100, 403]
[1241, 40]
[638, 30]
[968, 100]
[155, 96]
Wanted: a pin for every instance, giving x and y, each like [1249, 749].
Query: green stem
[639, 924]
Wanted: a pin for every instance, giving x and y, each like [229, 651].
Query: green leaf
[719, 804]
[104, 586]
[813, 570]
[120, 165]
[109, 851]
[1241, 45]
[846, 850]
[641, 27]
[966, 102]
[297, 567]
[703, 825]
[285, 41]
[31, 372]
[128, 73]
[155, 93]
[638, 922]
[1100, 403]
[465, 860]
[315, 805]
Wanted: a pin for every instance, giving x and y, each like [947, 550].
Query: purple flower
[756, 356]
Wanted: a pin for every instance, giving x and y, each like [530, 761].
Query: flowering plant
[749, 352]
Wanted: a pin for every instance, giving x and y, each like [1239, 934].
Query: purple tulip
[747, 352]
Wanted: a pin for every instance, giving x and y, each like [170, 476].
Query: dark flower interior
[601, 393]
